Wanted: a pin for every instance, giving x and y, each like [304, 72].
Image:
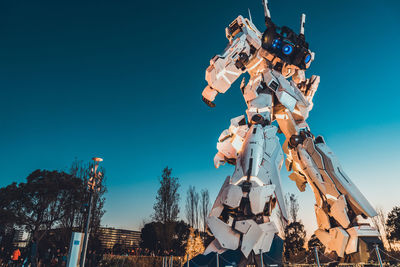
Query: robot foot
[228, 257]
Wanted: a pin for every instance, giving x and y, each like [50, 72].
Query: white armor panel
[252, 155]
[226, 236]
[343, 183]
[253, 35]
[259, 196]
[272, 164]
[355, 233]
[323, 236]
[265, 241]
[243, 226]
[250, 90]
[329, 185]
[287, 92]
[222, 71]
[322, 218]
[338, 240]
[261, 105]
[214, 246]
[251, 237]
[299, 179]
[339, 211]
[232, 196]
[218, 204]
[231, 140]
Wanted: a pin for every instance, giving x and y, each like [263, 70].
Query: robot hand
[209, 95]
[208, 102]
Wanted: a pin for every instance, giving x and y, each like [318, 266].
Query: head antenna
[250, 16]
[302, 23]
[267, 14]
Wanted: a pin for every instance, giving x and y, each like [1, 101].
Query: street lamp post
[316, 256]
[92, 186]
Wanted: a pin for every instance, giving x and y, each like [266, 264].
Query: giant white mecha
[277, 90]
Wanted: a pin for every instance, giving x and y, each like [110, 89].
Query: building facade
[21, 238]
[127, 239]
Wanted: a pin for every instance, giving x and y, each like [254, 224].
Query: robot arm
[338, 200]
[224, 69]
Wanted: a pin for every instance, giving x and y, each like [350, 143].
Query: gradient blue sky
[123, 79]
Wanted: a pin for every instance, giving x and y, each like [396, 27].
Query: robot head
[285, 44]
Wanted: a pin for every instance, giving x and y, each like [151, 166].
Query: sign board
[75, 248]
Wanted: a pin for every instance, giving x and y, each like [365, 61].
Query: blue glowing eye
[307, 58]
[287, 49]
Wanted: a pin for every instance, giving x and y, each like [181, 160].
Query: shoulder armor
[287, 92]
[245, 26]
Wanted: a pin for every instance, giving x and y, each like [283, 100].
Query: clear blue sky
[122, 80]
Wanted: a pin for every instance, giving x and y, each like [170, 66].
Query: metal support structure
[187, 260]
[378, 255]
[316, 256]
[86, 237]
[217, 260]
[92, 187]
[261, 258]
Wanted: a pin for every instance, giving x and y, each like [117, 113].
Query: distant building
[128, 239]
[21, 238]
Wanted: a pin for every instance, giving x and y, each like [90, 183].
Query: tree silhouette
[154, 239]
[294, 232]
[38, 205]
[294, 239]
[393, 224]
[166, 208]
[192, 207]
[205, 207]
[50, 200]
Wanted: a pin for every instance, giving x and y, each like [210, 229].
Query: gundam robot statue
[277, 90]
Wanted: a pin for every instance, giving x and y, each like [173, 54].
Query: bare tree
[192, 207]
[166, 208]
[293, 207]
[379, 222]
[205, 207]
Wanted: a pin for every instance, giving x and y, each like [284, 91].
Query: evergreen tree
[294, 239]
[393, 224]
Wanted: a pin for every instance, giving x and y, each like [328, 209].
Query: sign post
[75, 248]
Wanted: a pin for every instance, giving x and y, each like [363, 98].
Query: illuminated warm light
[194, 245]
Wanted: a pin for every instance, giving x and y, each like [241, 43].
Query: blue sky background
[123, 80]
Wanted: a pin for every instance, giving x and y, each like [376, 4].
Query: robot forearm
[209, 95]
[226, 68]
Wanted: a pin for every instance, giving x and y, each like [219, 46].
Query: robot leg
[240, 215]
[338, 200]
